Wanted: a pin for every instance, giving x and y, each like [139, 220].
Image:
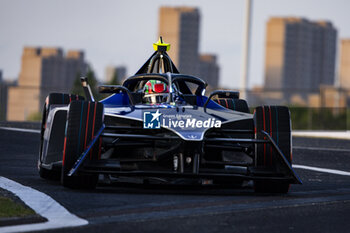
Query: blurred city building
[115, 72]
[332, 97]
[209, 69]
[3, 98]
[337, 95]
[344, 68]
[43, 70]
[300, 56]
[4, 86]
[179, 26]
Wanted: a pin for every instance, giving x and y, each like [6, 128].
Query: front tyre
[275, 120]
[51, 99]
[83, 122]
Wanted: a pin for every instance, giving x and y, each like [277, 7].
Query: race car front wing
[235, 170]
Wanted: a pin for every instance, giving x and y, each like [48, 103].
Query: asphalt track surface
[321, 204]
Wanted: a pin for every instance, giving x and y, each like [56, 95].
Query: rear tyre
[239, 105]
[51, 99]
[275, 120]
[83, 122]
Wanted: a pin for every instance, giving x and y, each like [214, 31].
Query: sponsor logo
[190, 123]
[192, 136]
[151, 119]
[155, 119]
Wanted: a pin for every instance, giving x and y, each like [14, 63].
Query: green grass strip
[9, 208]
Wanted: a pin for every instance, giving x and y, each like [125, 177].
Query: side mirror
[110, 89]
[87, 89]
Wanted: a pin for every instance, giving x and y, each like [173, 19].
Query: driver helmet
[155, 92]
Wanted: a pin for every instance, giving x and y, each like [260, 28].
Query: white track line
[21, 130]
[320, 148]
[323, 134]
[326, 170]
[42, 204]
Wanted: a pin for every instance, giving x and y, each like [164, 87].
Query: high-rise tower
[179, 26]
[300, 55]
[344, 69]
[44, 70]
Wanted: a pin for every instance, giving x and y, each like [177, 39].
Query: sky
[121, 32]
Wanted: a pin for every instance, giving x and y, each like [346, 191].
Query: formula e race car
[159, 124]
